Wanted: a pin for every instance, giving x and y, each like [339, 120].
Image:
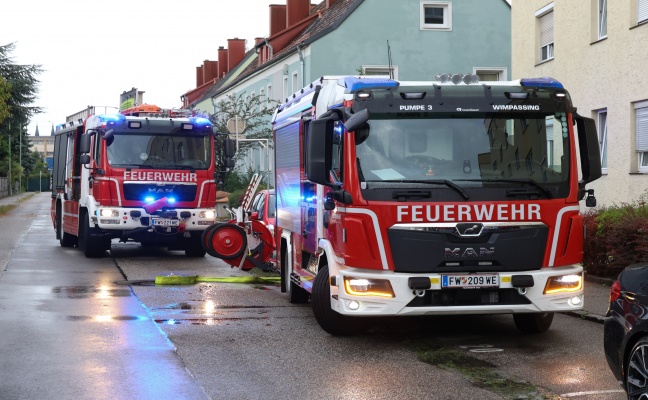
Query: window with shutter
[602, 134]
[602, 19]
[547, 36]
[642, 11]
[641, 123]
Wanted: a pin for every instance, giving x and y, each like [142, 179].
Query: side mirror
[319, 149]
[84, 143]
[229, 163]
[357, 120]
[84, 159]
[590, 153]
[109, 137]
[254, 215]
[229, 148]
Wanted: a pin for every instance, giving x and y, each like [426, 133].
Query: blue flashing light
[546, 82]
[149, 199]
[200, 122]
[354, 84]
[111, 117]
[171, 200]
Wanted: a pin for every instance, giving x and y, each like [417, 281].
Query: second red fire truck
[146, 175]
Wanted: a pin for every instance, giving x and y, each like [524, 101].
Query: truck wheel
[227, 241]
[91, 247]
[65, 239]
[194, 247]
[296, 294]
[329, 320]
[533, 322]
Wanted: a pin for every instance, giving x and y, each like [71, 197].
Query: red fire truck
[146, 175]
[444, 197]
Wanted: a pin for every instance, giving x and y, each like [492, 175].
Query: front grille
[139, 191]
[427, 248]
[469, 297]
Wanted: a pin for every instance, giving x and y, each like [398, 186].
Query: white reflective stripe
[554, 243]
[119, 199]
[202, 189]
[374, 218]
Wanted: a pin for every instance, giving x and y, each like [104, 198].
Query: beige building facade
[598, 49]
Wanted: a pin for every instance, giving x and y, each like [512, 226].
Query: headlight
[208, 214]
[108, 212]
[564, 283]
[368, 287]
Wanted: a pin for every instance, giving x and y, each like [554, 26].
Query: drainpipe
[301, 61]
[270, 47]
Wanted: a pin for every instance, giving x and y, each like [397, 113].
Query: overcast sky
[92, 51]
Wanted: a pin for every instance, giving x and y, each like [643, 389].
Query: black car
[625, 334]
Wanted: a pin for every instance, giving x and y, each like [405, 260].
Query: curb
[586, 316]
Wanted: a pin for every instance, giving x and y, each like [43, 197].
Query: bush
[615, 237]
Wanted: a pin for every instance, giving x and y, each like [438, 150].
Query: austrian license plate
[166, 222]
[469, 281]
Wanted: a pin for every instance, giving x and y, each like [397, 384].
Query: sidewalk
[16, 198]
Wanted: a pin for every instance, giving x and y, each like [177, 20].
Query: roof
[324, 20]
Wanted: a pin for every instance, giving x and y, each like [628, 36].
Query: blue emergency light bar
[200, 122]
[111, 117]
[546, 82]
[353, 84]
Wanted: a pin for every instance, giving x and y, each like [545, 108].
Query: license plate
[166, 222]
[469, 281]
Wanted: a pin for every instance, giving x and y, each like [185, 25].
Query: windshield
[471, 151]
[159, 151]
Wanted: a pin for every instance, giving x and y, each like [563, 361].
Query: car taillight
[615, 291]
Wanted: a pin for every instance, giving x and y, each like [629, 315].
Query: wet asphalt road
[97, 328]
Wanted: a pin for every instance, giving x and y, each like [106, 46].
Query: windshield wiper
[531, 182]
[446, 182]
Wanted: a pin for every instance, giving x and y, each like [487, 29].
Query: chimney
[222, 62]
[296, 10]
[277, 18]
[199, 76]
[210, 70]
[235, 52]
[329, 3]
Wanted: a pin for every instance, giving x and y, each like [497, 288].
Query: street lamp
[40, 181]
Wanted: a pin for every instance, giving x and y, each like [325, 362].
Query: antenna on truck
[389, 59]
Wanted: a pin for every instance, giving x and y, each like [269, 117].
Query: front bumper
[505, 299]
[131, 218]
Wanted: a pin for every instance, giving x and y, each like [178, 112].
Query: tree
[255, 113]
[18, 88]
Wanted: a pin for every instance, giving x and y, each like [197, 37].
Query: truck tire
[329, 320]
[91, 247]
[65, 239]
[296, 294]
[533, 322]
[194, 247]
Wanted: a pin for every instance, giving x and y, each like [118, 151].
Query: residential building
[407, 39]
[44, 145]
[597, 49]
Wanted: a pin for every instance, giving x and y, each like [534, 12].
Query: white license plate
[166, 222]
[470, 281]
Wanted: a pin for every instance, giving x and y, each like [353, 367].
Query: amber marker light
[368, 287]
[564, 283]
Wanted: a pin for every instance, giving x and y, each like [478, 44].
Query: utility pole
[10, 181]
[20, 158]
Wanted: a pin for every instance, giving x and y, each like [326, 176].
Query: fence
[4, 187]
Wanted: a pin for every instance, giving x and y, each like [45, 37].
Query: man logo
[469, 229]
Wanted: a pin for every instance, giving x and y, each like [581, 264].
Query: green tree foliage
[18, 88]
[254, 112]
[5, 87]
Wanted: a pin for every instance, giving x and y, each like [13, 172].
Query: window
[269, 96]
[642, 11]
[602, 19]
[436, 15]
[262, 100]
[295, 82]
[602, 135]
[380, 70]
[545, 21]
[641, 112]
[285, 87]
[491, 74]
